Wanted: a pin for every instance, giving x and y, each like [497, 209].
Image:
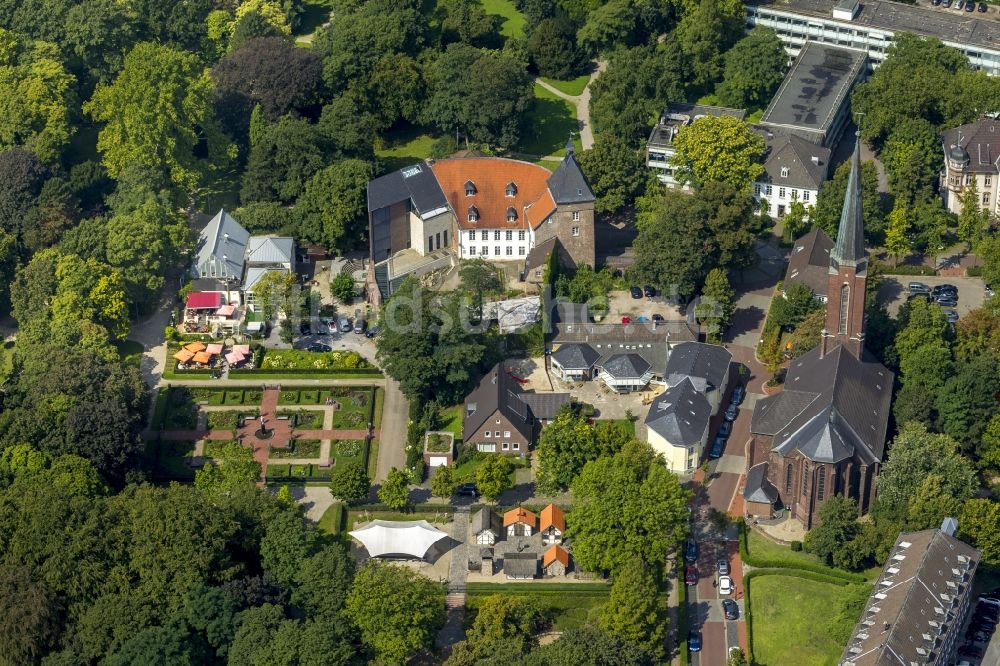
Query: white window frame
[575, 231]
[784, 172]
[517, 446]
[506, 433]
[576, 216]
[472, 249]
[520, 251]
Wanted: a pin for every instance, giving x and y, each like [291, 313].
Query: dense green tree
[838, 526]
[615, 173]
[807, 333]
[897, 231]
[973, 221]
[210, 611]
[754, 68]
[21, 178]
[978, 525]
[397, 610]
[235, 467]
[55, 211]
[263, 217]
[797, 302]
[322, 582]
[283, 160]
[467, 21]
[504, 623]
[350, 483]
[611, 24]
[967, 401]
[912, 159]
[990, 452]
[255, 629]
[395, 490]
[914, 455]
[636, 611]
[718, 148]
[931, 504]
[331, 210]
[717, 305]
[30, 617]
[988, 250]
[705, 32]
[626, 506]
[552, 49]
[493, 477]
[978, 333]
[182, 24]
[158, 112]
[830, 202]
[564, 447]
[588, 646]
[36, 97]
[443, 484]
[171, 645]
[287, 543]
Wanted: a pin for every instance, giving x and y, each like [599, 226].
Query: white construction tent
[398, 538]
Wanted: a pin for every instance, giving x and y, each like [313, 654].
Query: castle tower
[845, 302]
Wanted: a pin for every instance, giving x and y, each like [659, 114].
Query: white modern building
[871, 26]
[660, 146]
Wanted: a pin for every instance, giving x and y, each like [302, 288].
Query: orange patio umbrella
[195, 346]
[184, 355]
[202, 357]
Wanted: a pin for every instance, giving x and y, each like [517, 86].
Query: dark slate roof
[809, 262]
[680, 414]
[520, 564]
[807, 162]
[567, 183]
[571, 313]
[545, 405]
[849, 249]
[625, 366]
[576, 356]
[415, 182]
[903, 623]
[707, 366]
[497, 391]
[980, 142]
[758, 488]
[832, 407]
[486, 519]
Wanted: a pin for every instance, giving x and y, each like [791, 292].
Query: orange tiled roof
[491, 175]
[553, 515]
[535, 213]
[555, 553]
[519, 515]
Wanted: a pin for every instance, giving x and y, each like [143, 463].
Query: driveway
[971, 291]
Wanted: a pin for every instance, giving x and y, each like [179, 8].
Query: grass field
[565, 605]
[762, 547]
[129, 351]
[332, 520]
[513, 20]
[785, 626]
[451, 421]
[404, 147]
[168, 460]
[304, 448]
[548, 124]
[572, 87]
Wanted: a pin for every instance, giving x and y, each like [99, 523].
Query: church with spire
[824, 433]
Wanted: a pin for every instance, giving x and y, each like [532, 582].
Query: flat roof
[678, 114]
[814, 88]
[951, 26]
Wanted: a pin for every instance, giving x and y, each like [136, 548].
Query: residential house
[809, 263]
[625, 373]
[918, 607]
[813, 101]
[824, 434]
[520, 566]
[794, 170]
[871, 25]
[425, 216]
[660, 149]
[520, 522]
[574, 362]
[552, 524]
[705, 365]
[555, 561]
[267, 254]
[486, 527]
[972, 155]
[500, 417]
[677, 425]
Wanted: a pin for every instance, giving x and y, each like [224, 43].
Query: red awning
[201, 300]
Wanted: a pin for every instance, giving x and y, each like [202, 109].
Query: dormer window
[784, 173]
[473, 214]
[511, 189]
[470, 188]
[511, 215]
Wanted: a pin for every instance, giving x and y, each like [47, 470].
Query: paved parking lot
[971, 291]
[621, 303]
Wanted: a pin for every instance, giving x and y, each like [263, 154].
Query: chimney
[949, 526]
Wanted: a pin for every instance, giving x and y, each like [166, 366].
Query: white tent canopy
[412, 538]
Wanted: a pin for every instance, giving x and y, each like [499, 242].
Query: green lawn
[227, 420]
[405, 147]
[627, 424]
[785, 627]
[303, 448]
[355, 516]
[168, 460]
[347, 451]
[513, 20]
[451, 421]
[466, 471]
[129, 351]
[373, 459]
[565, 605]
[762, 547]
[304, 472]
[572, 87]
[304, 419]
[548, 125]
[332, 521]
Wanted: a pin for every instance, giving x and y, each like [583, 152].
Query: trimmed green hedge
[974, 271]
[328, 372]
[906, 269]
[819, 569]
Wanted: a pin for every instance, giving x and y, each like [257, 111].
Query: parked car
[726, 429]
[970, 6]
[649, 291]
[725, 585]
[968, 650]
[944, 289]
[373, 331]
[951, 316]
[737, 396]
[731, 609]
[636, 292]
[467, 489]
[718, 446]
[626, 319]
[723, 564]
[343, 324]
[947, 300]
[731, 412]
[319, 347]
[694, 641]
[982, 7]
[691, 575]
[935, 2]
[360, 325]
[918, 288]
[960, 5]
[690, 550]
[991, 599]
[657, 316]
[946, 3]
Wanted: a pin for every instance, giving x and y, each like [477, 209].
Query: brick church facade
[824, 433]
